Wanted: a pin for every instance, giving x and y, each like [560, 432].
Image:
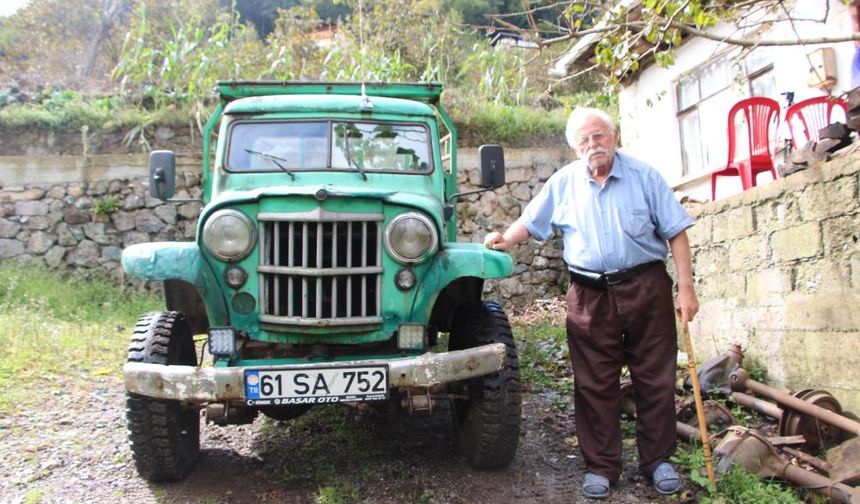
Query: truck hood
[419, 201]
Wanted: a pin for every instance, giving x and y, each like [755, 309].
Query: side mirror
[492, 159]
[162, 174]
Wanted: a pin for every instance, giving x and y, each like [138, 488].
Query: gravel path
[73, 449]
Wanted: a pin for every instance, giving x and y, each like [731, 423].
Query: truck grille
[320, 268]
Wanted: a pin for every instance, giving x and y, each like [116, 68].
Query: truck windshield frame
[332, 144]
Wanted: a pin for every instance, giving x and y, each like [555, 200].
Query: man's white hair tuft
[579, 116]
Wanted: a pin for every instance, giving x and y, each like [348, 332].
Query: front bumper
[211, 384]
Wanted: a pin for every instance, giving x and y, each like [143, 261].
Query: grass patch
[419, 497]
[64, 110]
[511, 126]
[347, 446]
[61, 326]
[477, 122]
[734, 486]
[107, 205]
[340, 494]
[34, 496]
[544, 362]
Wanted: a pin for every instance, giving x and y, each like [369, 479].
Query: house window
[705, 96]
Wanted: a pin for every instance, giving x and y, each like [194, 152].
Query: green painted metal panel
[316, 360]
[421, 201]
[159, 261]
[207, 150]
[457, 260]
[319, 105]
[428, 92]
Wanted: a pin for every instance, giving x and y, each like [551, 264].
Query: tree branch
[744, 42]
[751, 42]
[566, 78]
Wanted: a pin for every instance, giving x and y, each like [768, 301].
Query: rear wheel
[487, 424]
[164, 435]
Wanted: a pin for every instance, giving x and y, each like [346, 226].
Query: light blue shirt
[623, 224]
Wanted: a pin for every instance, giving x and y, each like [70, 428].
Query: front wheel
[164, 435]
[487, 424]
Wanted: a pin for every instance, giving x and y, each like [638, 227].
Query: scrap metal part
[754, 453]
[714, 373]
[819, 434]
[741, 381]
[845, 461]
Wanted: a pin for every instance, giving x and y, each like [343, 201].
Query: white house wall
[648, 106]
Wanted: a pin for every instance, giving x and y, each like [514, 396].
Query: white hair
[579, 116]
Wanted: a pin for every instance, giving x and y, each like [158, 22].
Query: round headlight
[229, 235]
[410, 238]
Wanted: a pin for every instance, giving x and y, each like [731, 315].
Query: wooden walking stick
[697, 395]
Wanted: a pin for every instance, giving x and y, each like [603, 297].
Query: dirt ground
[74, 449]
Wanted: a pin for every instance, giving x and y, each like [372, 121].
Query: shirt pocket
[638, 223]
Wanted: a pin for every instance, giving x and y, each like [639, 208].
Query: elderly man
[616, 215]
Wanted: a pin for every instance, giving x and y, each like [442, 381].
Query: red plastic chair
[760, 114]
[813, 114]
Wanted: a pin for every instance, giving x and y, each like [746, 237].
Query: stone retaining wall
[778, 271]
[80, 211]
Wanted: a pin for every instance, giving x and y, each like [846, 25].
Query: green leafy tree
[44, 38]
[264, 13]
[633, 32]
[177, 54]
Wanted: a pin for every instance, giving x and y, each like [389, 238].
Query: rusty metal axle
[741, 381]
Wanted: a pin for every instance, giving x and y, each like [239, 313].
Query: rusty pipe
[840, 492]
[688, 432]
[740, 381]
[754, 403]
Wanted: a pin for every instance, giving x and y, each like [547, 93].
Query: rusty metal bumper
[218, 384]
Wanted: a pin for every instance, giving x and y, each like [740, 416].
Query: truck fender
[457, 276]
[176, 263]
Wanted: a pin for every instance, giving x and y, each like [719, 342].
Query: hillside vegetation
[153, 62]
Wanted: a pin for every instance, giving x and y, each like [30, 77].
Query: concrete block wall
[778, 270]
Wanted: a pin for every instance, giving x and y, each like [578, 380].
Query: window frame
[329, 121]
[745, 86]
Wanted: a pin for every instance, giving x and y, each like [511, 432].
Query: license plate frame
[316, 385]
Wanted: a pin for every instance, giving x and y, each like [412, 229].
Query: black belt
[601, 281]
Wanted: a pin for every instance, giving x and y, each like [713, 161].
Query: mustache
[597, 150]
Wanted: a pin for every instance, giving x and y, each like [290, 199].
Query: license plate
[316, 385]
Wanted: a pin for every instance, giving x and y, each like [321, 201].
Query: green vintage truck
[324, 270]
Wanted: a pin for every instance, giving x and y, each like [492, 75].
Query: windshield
[328, 145]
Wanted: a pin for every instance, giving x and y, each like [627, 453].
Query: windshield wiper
[351, 162]
[273, 159]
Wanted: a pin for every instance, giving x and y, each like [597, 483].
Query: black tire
[487, 426]
[164, 435]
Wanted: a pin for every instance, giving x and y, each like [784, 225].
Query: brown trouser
[629, 323]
